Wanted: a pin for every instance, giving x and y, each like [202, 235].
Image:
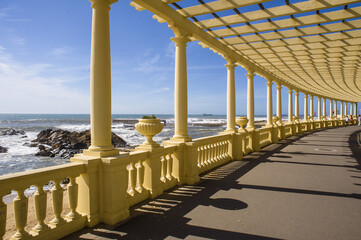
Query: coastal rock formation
[65, 144]
[3, 149]
[10, 132]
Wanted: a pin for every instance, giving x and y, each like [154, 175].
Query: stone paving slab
[306, 187]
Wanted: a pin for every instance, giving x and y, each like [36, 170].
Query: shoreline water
[21, 158]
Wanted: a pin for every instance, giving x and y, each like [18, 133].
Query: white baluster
[57, 194]
[21, 215]
[73, 198]
[163, 169]
[132, 179]
[40, 200]
[169, 166]
[140, 177]
[3, 212]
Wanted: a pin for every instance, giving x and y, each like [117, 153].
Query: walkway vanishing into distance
[305, 187]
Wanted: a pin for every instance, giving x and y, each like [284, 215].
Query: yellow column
[355, 109]
[351, 108]
[297, 105]
[319, 108]
[311, 107]
[250, 100]
[231, 98]
[279, 103]
[269, 103]
[346, 110]
[341, 110]
[324, 107]
[180, 90]
[290, 109]
[306, 107]
[100, 80]
[331, 108]
[335, 107]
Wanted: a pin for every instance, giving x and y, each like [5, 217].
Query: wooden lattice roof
[313, 46]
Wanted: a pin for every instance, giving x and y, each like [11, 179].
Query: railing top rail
[40, 176]
[215, 138]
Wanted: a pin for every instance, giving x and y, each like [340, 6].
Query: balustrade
[19, 182]
[128, 179]
[212, 151]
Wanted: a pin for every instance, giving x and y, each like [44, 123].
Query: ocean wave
[77, 128]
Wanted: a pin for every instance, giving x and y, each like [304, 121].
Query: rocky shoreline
[65, 144]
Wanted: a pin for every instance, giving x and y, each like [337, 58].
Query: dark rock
[65, 144]
[11, 132]
[3, 149]
[42, 147]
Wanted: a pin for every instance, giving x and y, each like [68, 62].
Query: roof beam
[274, 12]
[299, 32]
[290, 23]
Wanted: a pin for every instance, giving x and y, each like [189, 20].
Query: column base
[108, 153]
[250, 128]
[229, 131]
[180, 139]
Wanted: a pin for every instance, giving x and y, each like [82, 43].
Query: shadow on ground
[165, 216]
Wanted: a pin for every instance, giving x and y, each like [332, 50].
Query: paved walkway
[307, 187]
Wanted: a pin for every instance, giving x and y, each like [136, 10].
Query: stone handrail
[59, 226]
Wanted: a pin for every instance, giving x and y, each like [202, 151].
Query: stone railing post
[115, 208]
[236, 146]
[90, 189]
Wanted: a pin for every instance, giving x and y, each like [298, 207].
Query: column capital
[106, 3]
[290, 90]
[250, 75]
[230, 66]
[180, 40]
[269, 83]
[297, 93]
[311, 97]
[306, 95]
[250, 70]
[279, 85]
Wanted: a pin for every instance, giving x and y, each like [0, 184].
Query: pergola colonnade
[104, 182]
[101, 87]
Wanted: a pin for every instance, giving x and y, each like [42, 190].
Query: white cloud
[165, 89]
[60, 51]
[29, 88]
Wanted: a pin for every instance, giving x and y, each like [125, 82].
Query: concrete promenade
[305, 187]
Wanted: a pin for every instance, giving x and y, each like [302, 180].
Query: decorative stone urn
[275, 119]
[294, 118]
[149, 128]
[242, 121]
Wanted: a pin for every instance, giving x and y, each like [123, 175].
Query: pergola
[312, 46]
[307, 46]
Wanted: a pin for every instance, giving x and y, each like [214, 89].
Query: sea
[21, 157]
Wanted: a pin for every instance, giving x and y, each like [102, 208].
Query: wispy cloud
[7, 14]
[27, 87]
[60, 51]
[165, 89]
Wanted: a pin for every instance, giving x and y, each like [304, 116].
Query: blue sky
[45, 56]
